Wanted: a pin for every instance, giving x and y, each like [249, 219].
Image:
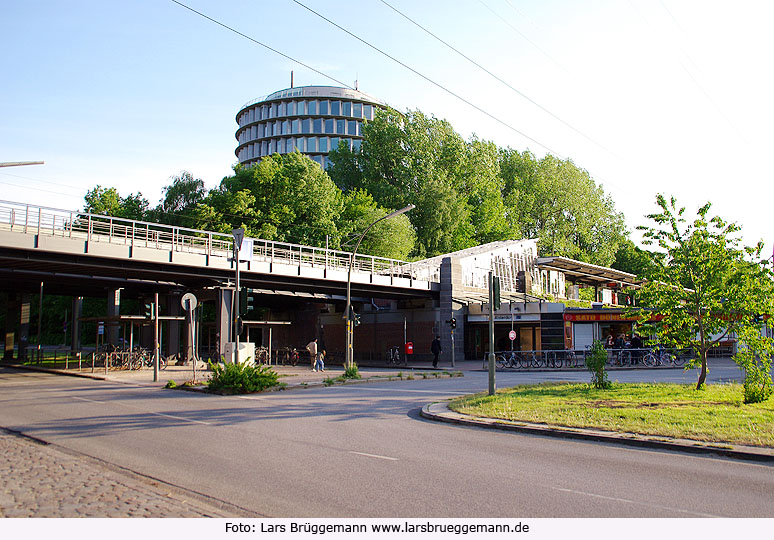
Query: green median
[715, 413]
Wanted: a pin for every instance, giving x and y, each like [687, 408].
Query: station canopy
[588, 274]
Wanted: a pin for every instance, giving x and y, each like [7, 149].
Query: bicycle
[553, 360]
[623, 357]
[394, 357]
[288, 355]
[570, 359]
[659, 357]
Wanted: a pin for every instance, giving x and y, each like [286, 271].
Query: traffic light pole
[492, 386]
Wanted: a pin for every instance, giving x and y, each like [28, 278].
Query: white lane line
[373, 456]
[154, 413]
[629, 501]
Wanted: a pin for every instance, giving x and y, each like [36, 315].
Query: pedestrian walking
[312, 348]
[435, 348]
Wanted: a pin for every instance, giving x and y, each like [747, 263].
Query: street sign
[512, 335]
[239, 234]
[188, 301]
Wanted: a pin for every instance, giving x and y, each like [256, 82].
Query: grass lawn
[714, 414]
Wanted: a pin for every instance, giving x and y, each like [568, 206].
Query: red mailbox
[410, 347]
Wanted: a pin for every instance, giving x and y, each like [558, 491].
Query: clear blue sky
[664, 96]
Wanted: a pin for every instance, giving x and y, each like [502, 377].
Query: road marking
[618, 499]
[154, 413]
[373, 456]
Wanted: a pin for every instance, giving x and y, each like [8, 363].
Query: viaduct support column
[75, 325]
[113, 310]
[451, 280]
[173, 339]
[223, 318]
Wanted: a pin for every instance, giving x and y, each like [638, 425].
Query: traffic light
[149, 310]
[355, 318]
[496, 291]
[242, 301]
[452, 322]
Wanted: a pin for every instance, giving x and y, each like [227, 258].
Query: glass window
[352, 127]
[289, 145]
[356, 145]
[335, 108]
[317, 125]
[286, 127]
[323, 144]
[334, 143]
[305, 125]
[273, 110]
[311, 144]
[300, 144]
[295, 126]
[300, 107]
[264, 147]
[357, 110]
[272, 147]
[281, 109]
[340, 124]
[312, 108]
[329, 125]
[323, 107]
[368, 112]
[346, 108]
[291, 110]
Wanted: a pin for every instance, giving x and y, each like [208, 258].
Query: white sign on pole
[512, 335]
[246, 250]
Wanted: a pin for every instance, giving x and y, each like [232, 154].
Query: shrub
[754, 357]
[171, 384]
[351, 372]
[596, 359]
[241, 378]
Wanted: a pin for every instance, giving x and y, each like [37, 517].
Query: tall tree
[180, 200]
[561, 205]
[707, 286]
[108, 202]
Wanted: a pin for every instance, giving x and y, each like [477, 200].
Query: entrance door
[582, 335]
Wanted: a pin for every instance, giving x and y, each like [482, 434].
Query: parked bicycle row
[647, 357]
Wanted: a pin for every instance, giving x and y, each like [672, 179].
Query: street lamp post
[348, 309]
[239, 235]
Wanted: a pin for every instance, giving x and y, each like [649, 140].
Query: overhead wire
[494, 76]
[262, 44]
[428, 79]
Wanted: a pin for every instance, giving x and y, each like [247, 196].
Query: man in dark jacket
[435, 348]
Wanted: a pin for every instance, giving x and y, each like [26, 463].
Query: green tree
[706, 287]
[561, 205]
[108, 202]
[393, 238]
[180, 200]
[635, 260]
[287, 198]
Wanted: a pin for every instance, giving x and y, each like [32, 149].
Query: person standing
[312, 348]
[435, 348]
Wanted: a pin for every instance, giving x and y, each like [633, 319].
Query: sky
[648, 96]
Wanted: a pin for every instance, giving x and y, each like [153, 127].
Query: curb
[440, 412]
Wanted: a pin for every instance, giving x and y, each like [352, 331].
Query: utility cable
[262, 44]
[485, 70]
[428, 79]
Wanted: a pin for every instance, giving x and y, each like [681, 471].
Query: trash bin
[410, 347]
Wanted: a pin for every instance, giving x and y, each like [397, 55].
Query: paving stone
[41, 481]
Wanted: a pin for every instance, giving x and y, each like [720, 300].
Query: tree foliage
[108, 202]
[707, 286]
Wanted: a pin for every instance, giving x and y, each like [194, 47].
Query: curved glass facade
[312, 119]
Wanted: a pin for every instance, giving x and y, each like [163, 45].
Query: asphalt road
[362, 450]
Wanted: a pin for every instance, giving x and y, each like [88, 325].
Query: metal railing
[557, 359]
[44, 221]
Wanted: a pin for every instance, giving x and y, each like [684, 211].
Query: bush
[754, 357]
[351, 372]
[596, 359]
[171, 384]
[241, 378]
